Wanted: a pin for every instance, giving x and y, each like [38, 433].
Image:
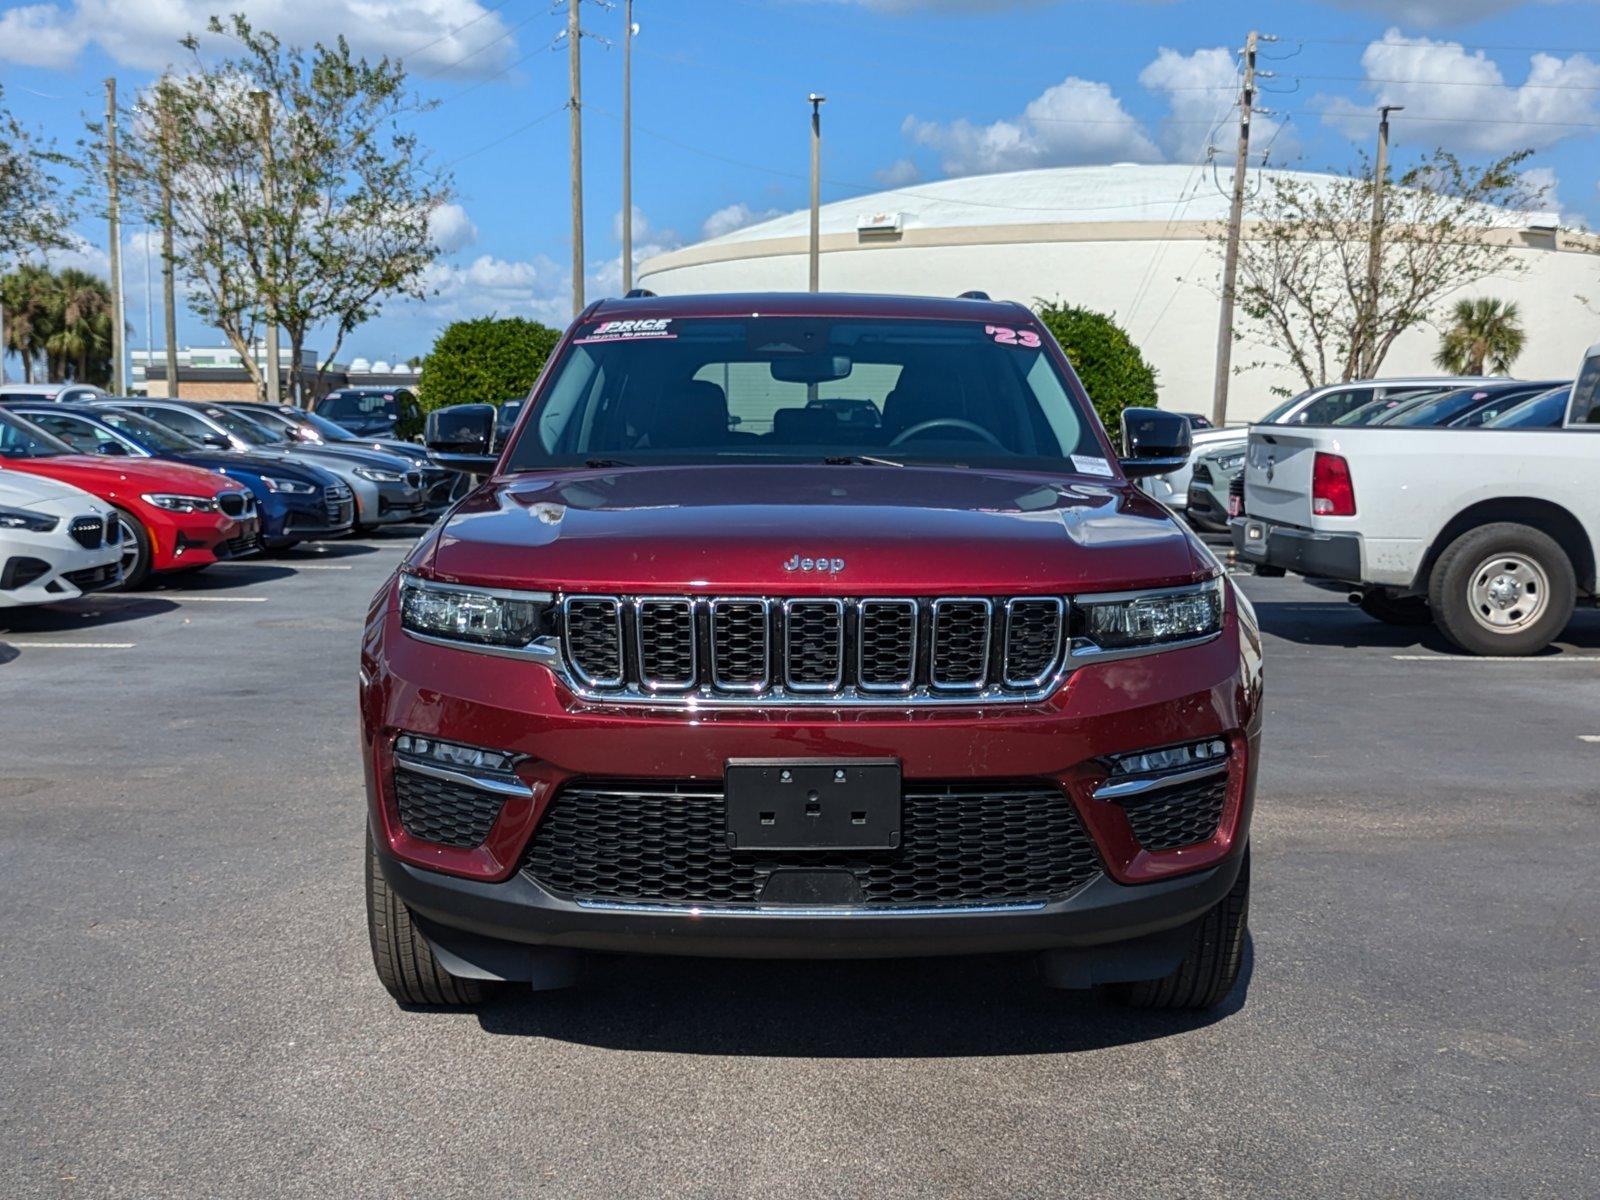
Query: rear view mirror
[462, 436]
[812, 368]
[1154, 442]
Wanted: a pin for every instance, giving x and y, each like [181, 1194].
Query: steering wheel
[905, 435]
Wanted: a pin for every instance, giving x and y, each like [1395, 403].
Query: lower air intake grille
[442, 812]
[1179, 816]
[962, 844]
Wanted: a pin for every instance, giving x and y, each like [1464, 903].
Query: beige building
[1130, 240]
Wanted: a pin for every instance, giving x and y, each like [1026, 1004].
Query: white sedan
[56, 541]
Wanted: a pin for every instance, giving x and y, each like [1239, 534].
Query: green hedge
[484, 361]
[1113, 371]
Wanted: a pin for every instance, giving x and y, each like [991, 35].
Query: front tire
[136, 555]
[1503, 590]
[1211, 967]
[404, 961]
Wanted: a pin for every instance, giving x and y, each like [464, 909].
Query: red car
[810, 626]
[174, 517]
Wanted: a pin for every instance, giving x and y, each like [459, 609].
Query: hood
[225, 463]
[733, 529]
[20, 490]
[408, 450]
[121, 475]
[356, 456]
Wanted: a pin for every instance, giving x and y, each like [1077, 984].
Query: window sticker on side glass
[629, 331]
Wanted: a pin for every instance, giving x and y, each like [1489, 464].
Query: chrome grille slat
[666, 639]
[816, 650]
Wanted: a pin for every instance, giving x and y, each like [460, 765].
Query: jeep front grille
[873, 649]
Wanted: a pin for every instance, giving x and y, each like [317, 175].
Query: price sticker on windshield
[645, 329]
[1005, 336]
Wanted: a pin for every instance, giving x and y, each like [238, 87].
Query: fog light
[1170, 758]
[453, 754]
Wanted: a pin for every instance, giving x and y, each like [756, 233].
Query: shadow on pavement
[898, 1008]
[84, 615]
[1335, 622]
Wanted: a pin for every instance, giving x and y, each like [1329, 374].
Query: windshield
[349, 406]
[1434, 410]
[1277, 414]
[245, 428]
[24, 439]
[322, 425]
[147, 434]
[806, 389]
[1546, 411]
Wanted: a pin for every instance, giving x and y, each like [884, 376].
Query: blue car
[298, 502]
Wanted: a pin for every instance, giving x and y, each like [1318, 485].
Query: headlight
[289, 487]
[1151, 618]
[482, 616]
[173, 502]
[21, 518]
[1229, 462]
[379, 476]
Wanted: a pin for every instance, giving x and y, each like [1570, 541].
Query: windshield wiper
[595, 464]
[860, 460]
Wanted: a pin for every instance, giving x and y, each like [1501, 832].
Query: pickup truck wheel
[405, 962]
[1503, 589]
[1396, 610]
[1208, 972]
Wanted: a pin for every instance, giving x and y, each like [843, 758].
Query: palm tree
[1484, 330]
[25, 298]
[80, 342]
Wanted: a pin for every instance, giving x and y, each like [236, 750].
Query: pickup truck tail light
[1332, 493]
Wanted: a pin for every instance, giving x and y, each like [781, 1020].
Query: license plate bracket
[809, 804]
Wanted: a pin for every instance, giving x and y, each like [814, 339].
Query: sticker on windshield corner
[1005, 336]
[1087, 465]
[639, 329]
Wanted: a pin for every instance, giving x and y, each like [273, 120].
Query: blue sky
[917, 90]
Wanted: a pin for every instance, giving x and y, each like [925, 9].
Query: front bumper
[1292, 548]
[68, 569]
[480, 898]
[187, 540]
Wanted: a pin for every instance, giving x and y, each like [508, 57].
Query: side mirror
[217, 441]
[113, 449]
[462, 437]
[1154, 442]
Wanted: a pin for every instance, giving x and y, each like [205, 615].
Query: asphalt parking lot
[188, 1008]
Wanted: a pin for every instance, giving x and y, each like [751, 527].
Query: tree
[1482, 331]
[1109, 365]
[1303, 262]
[34, 207]
[294, 193]
[26, 301]
[79, 346]
[484, 361]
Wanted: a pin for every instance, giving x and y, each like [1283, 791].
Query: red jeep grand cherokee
[809, 626]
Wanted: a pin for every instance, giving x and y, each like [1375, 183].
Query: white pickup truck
[1493, 535]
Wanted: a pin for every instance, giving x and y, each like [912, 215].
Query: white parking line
[68, 645]
[1589, 737]
[1463, 658]
[220, 599]
[319, 566]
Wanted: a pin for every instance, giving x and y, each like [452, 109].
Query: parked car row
[1450, 403]
[107, 491]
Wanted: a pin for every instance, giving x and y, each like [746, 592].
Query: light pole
[628, 30]
[816, 187]
[1375, 249]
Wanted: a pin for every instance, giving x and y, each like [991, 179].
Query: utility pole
[816, 189]
[574, 103]
[264, 106]
[169, 301]
[149, 311]
[1375, 250]
[627, 148]
[1230, 258]
[118, 319]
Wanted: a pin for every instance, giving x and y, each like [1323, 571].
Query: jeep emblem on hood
[831, 565]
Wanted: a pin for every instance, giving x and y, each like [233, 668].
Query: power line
[1555, 87]
[507, 136]
[450, 33]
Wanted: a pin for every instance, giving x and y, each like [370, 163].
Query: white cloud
[942, 6]
[734, 216]
[506, 287]
[1202, 90]
[1075, 121]
[435, 37]
[648, 241]
[900, 173]
[451, 228]
[1462, 101]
